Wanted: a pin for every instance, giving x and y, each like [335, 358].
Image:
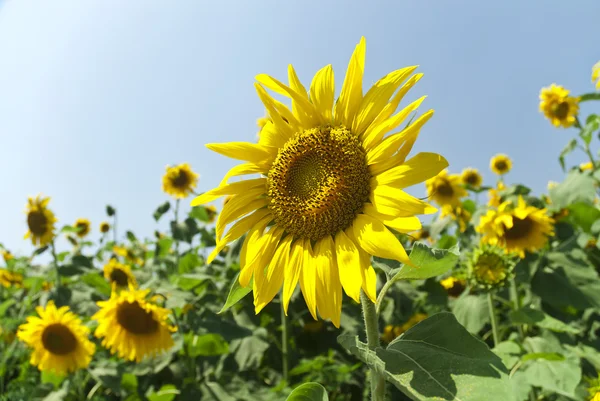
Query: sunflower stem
[53, 250]
[176, 240]
[284, 342]
[516, 303]
[493, 318]
[372, 330]
[115, 227]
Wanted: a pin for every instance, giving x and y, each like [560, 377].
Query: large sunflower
[133, 327]
[558, 107]
[179, 181]
[445, 189]
[84, 227]
[59, 340]
[40, 221]
[119, 274]
[331, 187]
[516, 229]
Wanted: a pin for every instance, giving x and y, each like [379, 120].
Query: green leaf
[110, 211]
[41, 250]
[236, 293]
[308, 392]
[206, 345]
[549, 356]
[592, 124]
[575, 188]
[536, 317]
[131, 236]
[168, 392]
[163, 246]
[53, 378]
[589, 96]
[471, 311]
[189, 281]
[189, 262]
[162, 209]
[58, 395]
[5, 305]
[469, 205]
[566, 150]
[98, 282]
[438, 359]
[509, 352]
[129, 382]
[446, 242]
[583, 215]
[200, 213]
[429, 262]
[70, 229]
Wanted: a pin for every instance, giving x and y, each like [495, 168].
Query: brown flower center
[119, 277]
[133, 318]
[181, 180]
[501, 165]
[58, 339]
[561, 110]
[445, 189]
[37, 222]
[521, 228]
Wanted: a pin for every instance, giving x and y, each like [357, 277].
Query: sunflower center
[501, 165]
[472, 179]
[181, 180]
[83, 228]
[521, 228]
[560, 110]
[319, 182]
[445, 189]
[119, 277]
[135, 319]
[58, 339]
[37, 222]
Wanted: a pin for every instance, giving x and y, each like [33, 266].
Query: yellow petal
[378, 97]
[250, 248]
[251, 152]
[349, 265]
[399, 157]
[329, 289]
[242, 169]
[238, 206]
[270, 137]
[351, 94]
[377, 240]
[305, 111]
[395, 202]
[322, 93]
[273, 280]
[229, 189]
[369, 279]
[268, 245]
[308, 279]
[292, 272]
[414, 171]
[400, 224]
[282, 127]
[391, 107]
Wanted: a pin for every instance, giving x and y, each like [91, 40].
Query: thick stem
[493, 319]
[372, 329]
[284, 342]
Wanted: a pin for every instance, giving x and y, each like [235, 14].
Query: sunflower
[471, 176]
[422, 235]
[453, 285]
[558, 107]
[389, 333]
[133, 327]
[6, 255]
[500, 164]
[516, 229]
[211, 210]
[458, 213]
[489, 267]
[40, 221]
[445, 189]
[119, 274]
[129, 254]
[104, 227]
[10, 279]
[331, 188]
[495, 198]
[84, 227]
[58, 338]
[179, 181]
[596, 75]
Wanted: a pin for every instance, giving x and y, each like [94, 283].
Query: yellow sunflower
[129, 254]
[59, 340]
[40, 221]
[6, 255]
[558, 107]
[331, 187]
[471, 177]
[104, 227]
[445, 189]
[179, 181]
[10, 279]
[489, 267]
[119, 274]
[453, 285]
[458, 213]
[596, 75]
[495, 198]
[84, 227]
[516, 229]
[133, 327]
[500, 164]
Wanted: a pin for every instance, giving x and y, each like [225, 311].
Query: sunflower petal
[292, 272]
[329, 289]
[242, 169]
[273, 280]
[399, 157]
[304, 110]
[349, 265]
[251, 152]
[418, 169]
[252, 246]
[400, 224]
[308, 279]
[229, 189]
[377, 240]
[237, 207]
[395, 202]
[351, 94]
[282, 127]
[369, 279]
[322, 93]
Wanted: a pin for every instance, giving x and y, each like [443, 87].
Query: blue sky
[96, 97]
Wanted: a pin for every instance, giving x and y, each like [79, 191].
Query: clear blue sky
[96, 97]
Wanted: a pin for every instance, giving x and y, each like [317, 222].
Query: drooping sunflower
[330, 190]
[84, 227]
[133, 327]
[596, 75]
[558, 107]
[500, 164]
[40, 221]
[104, 227]
[179, 181]
[119, 274]
[445, 189]
[59, 340]
[10, 279]
[471, 177]
[516, 229]
[454, 285]
[457, 213]
[489, 267]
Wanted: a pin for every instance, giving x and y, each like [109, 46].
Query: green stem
[190, 360]
[115, 227]
[53, 250]
[372, 329]
[284, 342]
[493, 319]
[176, 240]
[516, 303]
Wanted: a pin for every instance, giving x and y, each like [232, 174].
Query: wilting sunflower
[10, 279]
[516, 229]
[84, 227]
[489, 267]
[471, 176]
[40, 221]
[331, 187]
[104, 227]
[133, 327]
[596, 75]
[500, 164]
[119, 274]
[453, 285]
[6, 255]
[457, 213]
[445, 189]
[58, 338]
[558, 107]
[179, 181]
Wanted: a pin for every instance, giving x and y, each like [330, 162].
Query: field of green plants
[309, 274]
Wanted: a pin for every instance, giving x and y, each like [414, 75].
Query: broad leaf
[429, 262]
[206, 345]
[575, 188]
[538, 318]
[308, 392]
[472, 311]
[566, 150]
[161, 210]
[168, 392]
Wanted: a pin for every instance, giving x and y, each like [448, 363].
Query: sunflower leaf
[308, 392]
[566, 150]
[236, 293]
[536, 317]
[589, 96]
[429, 262]
[162, 209]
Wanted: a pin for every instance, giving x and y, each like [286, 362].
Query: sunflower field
[310, 274]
